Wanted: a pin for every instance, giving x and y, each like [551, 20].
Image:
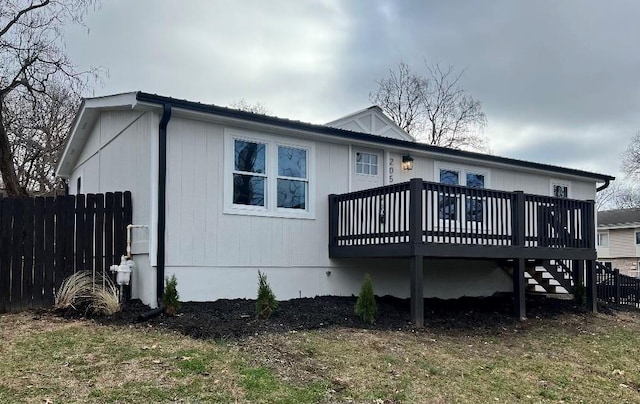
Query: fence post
[415, 211]
[616, 284]
[518, 219]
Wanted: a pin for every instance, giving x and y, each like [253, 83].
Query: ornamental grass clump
[170, 298]
[75, 290]
[366, 307]
[266, 302]
[105, 299]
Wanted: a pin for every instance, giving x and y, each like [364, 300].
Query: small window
[638, 238]
[449, 177]
[366, 163]
[560, 190]
[79, 186]
[475, 180]
[603, 239]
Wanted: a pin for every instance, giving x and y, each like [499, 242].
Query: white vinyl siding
[622, 243]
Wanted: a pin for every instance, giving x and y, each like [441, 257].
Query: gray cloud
[559, 81]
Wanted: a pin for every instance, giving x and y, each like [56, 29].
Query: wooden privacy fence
[616, 288]
[44, 240]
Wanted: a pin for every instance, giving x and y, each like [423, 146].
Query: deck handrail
[427, 212]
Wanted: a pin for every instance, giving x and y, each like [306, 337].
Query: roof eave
[83, 124]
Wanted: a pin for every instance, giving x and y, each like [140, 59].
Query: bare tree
[33, 60]
[37, 131]
[433, 107]
[631, 158]
[619, 195]
[256, 108]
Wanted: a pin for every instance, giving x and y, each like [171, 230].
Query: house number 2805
[390, 170]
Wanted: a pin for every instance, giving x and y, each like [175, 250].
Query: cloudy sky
[559, 81]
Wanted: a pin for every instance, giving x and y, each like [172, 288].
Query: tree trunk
[9, 177]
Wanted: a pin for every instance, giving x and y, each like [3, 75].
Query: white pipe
[129, 227]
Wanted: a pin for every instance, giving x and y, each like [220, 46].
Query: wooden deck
[420, 219]
[435, 220]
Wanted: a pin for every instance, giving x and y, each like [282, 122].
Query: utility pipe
[129, 237]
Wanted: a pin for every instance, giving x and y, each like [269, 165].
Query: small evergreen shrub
[366, 307]
[170, 299]
[266, 302]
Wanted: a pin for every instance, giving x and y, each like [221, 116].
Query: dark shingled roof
[618, 216]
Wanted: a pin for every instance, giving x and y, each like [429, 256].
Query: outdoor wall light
[407, 162]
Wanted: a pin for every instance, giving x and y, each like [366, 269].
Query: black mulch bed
[230, 319]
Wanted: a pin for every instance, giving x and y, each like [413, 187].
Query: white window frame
[635, 238]
[271, 143]
[562, 183]
[602, 233]
[462, 171]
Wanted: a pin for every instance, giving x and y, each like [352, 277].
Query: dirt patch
[231, 319]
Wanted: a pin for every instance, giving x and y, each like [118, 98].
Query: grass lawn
[570, 358]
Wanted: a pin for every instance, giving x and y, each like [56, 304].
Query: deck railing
[426, 212]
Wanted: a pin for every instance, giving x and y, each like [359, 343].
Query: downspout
[603, 186]
[162, 192]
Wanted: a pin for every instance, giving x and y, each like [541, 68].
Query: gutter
[603, 186]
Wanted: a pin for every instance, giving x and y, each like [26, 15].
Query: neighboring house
[619, 239]
[226, 193]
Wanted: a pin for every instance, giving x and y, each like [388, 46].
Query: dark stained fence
[615, 288]
[44, 240]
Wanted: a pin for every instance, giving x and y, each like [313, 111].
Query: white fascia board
[619, 226]
[276, 129]
[83, 124]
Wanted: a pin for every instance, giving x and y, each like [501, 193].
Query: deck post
[417, 290]
[519, 285]
[592, 293]
[333, 223]
[415, 210]
[518, 219]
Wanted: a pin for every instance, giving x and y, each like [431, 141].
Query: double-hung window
[293, 180]
[249, 173]
[268, 176]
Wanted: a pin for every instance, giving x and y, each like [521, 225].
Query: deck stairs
[547, 277]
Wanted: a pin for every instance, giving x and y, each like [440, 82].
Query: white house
[226, 193]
